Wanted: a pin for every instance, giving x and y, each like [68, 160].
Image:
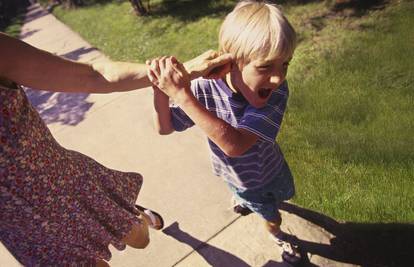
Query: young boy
[241, 114]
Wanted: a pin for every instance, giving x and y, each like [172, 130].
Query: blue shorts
[266, 200]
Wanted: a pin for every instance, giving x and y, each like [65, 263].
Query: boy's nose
[277, 79]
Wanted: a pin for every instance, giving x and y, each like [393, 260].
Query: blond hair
[257, 30]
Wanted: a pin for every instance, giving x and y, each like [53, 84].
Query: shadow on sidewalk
[27, 34]
[359, 243]
[77, 53]
[213, 255]
[34, 12]
[65, 108]
[217, 257]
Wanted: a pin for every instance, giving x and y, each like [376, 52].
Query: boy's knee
[272, 226]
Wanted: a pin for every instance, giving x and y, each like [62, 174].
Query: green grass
[13, 25]
[348, 131]
[113, 28]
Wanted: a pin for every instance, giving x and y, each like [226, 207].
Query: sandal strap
[153, 216]
[289, 247]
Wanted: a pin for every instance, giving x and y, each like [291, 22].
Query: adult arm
[29, 66]
[32, 67]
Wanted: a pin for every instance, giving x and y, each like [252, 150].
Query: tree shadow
[12, 15]
[191, 10]
[358, 8]
[359, 243]
[294, 2]
[213, 255]
[58, 107]
[101, 2]
[34, 12]
[27, 34]
[52, 6]
[64, 108]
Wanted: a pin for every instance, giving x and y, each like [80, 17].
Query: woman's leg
[138, 236]
[101, 263]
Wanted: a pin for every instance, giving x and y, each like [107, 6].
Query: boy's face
[258, 78]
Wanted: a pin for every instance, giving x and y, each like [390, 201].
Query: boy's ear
[220, 71]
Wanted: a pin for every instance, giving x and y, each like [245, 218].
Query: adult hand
[170, 77]
[209, 65]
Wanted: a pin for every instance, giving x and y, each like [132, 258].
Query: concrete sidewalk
[116, 130]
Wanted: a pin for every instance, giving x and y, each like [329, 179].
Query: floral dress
[57, 207]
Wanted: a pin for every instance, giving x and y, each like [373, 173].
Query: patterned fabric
[262, 163]
[58, 207]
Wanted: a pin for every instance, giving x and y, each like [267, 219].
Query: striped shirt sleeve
[265, 122]
[180, 120]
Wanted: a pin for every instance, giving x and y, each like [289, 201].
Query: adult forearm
[121, 76]
[68, 76]
[32, 67]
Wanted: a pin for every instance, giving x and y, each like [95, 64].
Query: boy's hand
[170, 76]
[209, 65]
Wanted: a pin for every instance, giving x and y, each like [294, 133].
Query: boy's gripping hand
[171, 77]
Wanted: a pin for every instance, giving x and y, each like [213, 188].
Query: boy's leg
[287, 242]
[273, 226]
[269, 212]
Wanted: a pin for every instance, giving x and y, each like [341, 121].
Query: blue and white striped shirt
[264, 160]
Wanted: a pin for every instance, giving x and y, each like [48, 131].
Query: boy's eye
[264, 67]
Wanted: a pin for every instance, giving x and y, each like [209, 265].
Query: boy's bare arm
[171, 77]
[162, 112]
[233, 142]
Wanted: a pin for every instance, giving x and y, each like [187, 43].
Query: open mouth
[264, 92]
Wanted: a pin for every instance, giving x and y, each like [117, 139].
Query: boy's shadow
[359, 243]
